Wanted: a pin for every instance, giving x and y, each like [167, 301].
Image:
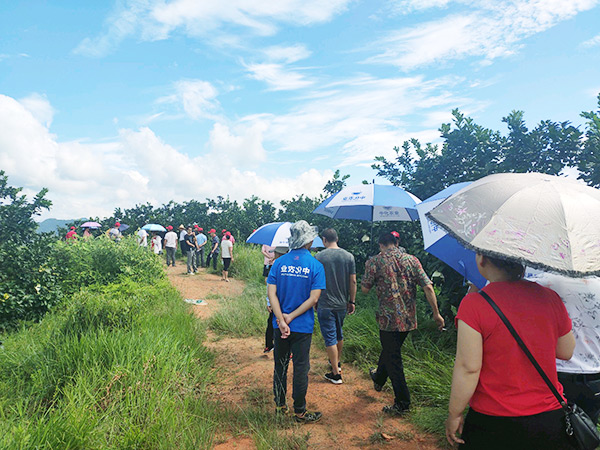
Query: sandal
[308, 417]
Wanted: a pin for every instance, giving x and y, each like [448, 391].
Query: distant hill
[51, 225]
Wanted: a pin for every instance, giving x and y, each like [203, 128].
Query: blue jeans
[298, 344]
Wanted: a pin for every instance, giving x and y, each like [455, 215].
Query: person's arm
[432, 300]
[565, 346]
[265, 253]
[310, 302]
[276, 307]
[351, 307]
[469, 355]
[231, 252]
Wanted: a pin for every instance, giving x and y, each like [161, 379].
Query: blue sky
[117, 103]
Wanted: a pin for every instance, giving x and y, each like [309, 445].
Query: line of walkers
[510, 405]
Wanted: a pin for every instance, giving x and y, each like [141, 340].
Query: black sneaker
[308, 417]
[373, 374]
[335, 379]
[395, 410]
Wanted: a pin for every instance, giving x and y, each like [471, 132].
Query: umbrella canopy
[123, 227]
[153, 227]
[371, 202]
[443, 246]
[276, 234]
[544, 221]
[92, 225]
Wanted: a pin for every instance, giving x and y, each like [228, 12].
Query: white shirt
[226, 247]
[157, 244]
[171, 239]
[581, 297]
[143, 238]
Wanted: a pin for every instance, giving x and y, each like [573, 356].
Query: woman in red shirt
[511, 407]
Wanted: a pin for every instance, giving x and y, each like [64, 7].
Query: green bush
[102, 261]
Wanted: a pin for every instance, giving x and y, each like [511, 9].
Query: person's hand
[287, 318]
[285, 330]
[439, 320]
[350, 308]
[454, 425]
[269, 309]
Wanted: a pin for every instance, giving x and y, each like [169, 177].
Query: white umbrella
[544, 221]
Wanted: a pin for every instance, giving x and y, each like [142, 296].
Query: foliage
[589, 164]
[470, 151]
[29, 285]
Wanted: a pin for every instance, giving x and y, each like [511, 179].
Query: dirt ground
[352, 416]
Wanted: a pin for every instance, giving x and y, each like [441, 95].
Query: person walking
[182, 234]
[114, 233]
[201, 241]
[396, 276]
[170, 245]
[214, 249]
[336, 300]
[294, 285]
[268, 253]
[190, 251]
[580, 375]
[142, 238]
[226, 256]
[157, 244]
[511, 406]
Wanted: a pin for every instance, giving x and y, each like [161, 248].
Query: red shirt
[508, 384]
[71, 235]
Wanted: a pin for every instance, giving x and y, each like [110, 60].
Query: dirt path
[352, 415]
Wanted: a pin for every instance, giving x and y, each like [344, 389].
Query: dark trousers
[298, 344]
[269, 332]
[183, 247]
[390, 365]
[214, 257]
[584, 391]
[171, 255]
[542, 431]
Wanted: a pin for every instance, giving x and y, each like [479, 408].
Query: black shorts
[226, 262]
[266, 270]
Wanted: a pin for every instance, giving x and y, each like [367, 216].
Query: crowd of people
[510, 404]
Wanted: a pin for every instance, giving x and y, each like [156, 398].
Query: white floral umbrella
[544, 221]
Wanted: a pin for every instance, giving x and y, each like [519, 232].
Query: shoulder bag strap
[524, 348]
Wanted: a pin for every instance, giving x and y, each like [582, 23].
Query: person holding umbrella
[510, 404]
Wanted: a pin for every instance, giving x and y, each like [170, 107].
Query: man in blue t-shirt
[294, 286]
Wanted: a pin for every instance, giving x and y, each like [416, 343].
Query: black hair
[330, 235]
[387, 239]
[514, 270]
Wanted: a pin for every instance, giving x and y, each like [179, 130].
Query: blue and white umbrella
[276, 234]
[153, 227]
[371, 202]
[442, 245]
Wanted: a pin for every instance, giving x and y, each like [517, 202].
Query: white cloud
[89, 179]
[278, 77]
[197, 98]
[590, 43]
[210, 19]
[408, 6]
[288, 54]
[489, 30]
[39, 106]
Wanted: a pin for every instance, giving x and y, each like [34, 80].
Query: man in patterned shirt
[395, 275]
